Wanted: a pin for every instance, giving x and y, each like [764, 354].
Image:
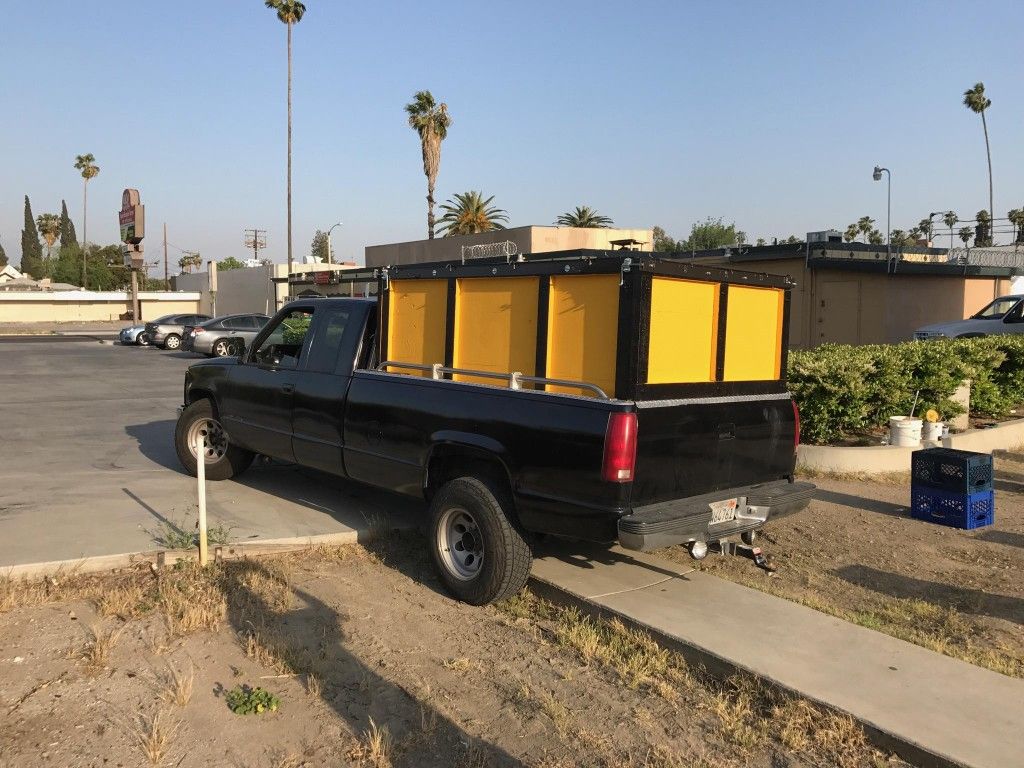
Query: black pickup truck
[495, 463]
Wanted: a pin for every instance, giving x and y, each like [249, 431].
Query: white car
[1001, 316]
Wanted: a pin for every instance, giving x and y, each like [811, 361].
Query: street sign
[132, 217]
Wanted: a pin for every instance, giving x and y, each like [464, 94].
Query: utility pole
[167, 277]
[257, 240]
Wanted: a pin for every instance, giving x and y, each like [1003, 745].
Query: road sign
[132, 217]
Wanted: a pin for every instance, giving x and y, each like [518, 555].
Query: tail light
[619, 448]
[796, 427]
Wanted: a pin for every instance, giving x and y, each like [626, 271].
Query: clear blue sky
[768, 114]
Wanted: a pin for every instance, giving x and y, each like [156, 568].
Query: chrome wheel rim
[172, 342]
[460, 544]
[222, 349]
[215, 441]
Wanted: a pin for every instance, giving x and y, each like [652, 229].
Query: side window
[253, 322]
[324, 351]
[283, 347]
[1014, 315]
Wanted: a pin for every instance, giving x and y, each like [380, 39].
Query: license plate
[723, 511]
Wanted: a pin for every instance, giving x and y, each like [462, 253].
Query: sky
[770, 115]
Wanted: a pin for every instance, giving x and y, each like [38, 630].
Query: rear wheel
[223, 460]
[480, 553]
[223, 348]
[173, 341]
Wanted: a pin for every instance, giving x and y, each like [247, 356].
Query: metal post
[201, 477]
[877, 176]
[136, 314]
[167, 277]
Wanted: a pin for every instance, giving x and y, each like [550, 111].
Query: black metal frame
[637, 270]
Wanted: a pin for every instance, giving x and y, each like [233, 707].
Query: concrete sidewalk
[929, 708]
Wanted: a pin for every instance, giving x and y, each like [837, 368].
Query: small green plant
[244, 700]
[218, 534]
[183, 534]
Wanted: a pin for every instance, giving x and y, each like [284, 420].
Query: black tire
[222, 348]
[172, 341]
[224, 460]
[505, 557]
[142, 340]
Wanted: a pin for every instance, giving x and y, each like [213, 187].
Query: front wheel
[173, 341]
[479, 551]
[142, 340]
[223, 460]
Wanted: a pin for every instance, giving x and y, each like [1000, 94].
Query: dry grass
[96, 652]
[177, 685]
[313, 687]
[883, 478]
[556, 711]
[374, 748]
[462, 664]
[154, 734]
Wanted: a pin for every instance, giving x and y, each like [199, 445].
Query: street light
[329, 261]
[877, 176]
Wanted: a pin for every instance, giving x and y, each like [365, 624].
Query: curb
[721, 668]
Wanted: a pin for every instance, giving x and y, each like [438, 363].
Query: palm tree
[898, 237]
[924, 226]
[950, 219]
[1016, 217]
[915, 234]
[984, 229]
[875, 237]
[966, 233]
[430, 120]
[468, 213]
[87, 165]
[48, 225]
[864, 225]
[289, 12]
[975, 100]
[851, 233]
[585, 217]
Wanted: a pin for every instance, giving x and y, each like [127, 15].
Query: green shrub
[842, 389]
[243, 700]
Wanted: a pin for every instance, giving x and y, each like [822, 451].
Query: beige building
[850, 293]
[41, 306]
[526, 240]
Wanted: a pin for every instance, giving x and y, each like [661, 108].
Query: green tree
[966, 233]
[976, 101]
[318, 248]
[3, 257]
[48, 225]
[793, 240]
[915, 234]
[229, 263]
[665, 243]
[760, 241]
[898, 237]
[875, 237]
[1016, 217]
[431, 121]
[469, 213]
[851, 233]
[710, 234]
[585, 217]
[289, 13]
[31, 249]
[983, 232]
[87, 165]
[864, 225]
[950, 219]
[924, 226]
[67, 227]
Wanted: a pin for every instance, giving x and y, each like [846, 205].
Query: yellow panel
[753, 333]
[684, 331]
[583, 327]
[496, 326]
[417, 313]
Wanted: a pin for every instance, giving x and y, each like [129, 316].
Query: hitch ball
[698, 550]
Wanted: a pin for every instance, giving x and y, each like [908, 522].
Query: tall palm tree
[48, 225]
[1016, 217]
[584, 216]
[925, 227]
[950, 219]
[290, 13]
[468, 213]
[898, 237]
[984, 229]
[87, 165]
[976, 101]
[864, 225]
[966, 233]
[430, 120]
[851, 233]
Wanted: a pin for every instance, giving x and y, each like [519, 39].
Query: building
[852, 293]
[528, 239]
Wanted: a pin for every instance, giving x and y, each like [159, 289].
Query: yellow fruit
[932, 415]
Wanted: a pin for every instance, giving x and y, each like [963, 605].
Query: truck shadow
[860, 502]
[973, 601]
[310, 635]
[1002, 537]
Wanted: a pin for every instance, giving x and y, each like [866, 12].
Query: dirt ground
[372, 666]
[856, 553]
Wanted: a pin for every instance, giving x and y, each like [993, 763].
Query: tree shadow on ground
[1008, 538]
[860, 502]
[973, 601]
[310, 636]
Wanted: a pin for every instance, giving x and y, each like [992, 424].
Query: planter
[905, 431]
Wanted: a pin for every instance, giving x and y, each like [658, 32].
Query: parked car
[1004, 315]
[166, 332]
[226, 336]
[135, 334]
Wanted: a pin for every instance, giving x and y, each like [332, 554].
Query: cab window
[283, 347]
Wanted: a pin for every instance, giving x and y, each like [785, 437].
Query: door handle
[287, 388]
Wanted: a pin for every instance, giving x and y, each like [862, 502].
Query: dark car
[166, 332]
[224, 336]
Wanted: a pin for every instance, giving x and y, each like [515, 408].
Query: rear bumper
[684, 520]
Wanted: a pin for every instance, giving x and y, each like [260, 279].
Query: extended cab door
[318, 413]
[256, 401]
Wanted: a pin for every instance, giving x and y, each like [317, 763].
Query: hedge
[842, 389]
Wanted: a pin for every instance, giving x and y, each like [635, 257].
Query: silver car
[223, 336]
[167, 331]
[1004, 315]
[135, 334]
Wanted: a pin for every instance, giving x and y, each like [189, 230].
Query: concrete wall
[238, 290]
[527, 239]
[89, 306]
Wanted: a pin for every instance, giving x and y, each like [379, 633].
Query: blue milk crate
[948, 469]
[957, 510]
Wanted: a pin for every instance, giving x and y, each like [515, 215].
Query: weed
[219, 534]
[313, 687]
[174, 535]
[374, 749]
[462, 664]
[177, 685]
[126, 601]
[244, 700]
[96, 652]
[154, 734]
[556, 711]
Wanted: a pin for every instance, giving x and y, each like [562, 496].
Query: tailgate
[695, 446]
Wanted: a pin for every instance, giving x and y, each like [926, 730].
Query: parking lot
[89, 466]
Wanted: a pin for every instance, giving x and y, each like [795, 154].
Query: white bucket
[932, 431]
[904, 430]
